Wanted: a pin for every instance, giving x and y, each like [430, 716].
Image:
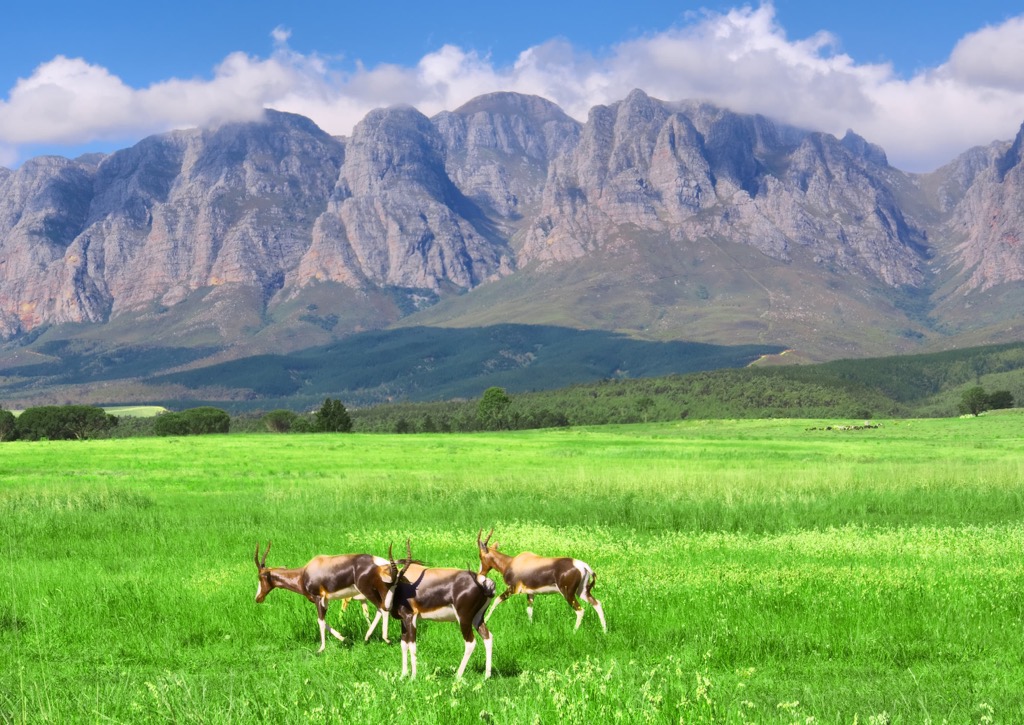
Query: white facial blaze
[259, 586]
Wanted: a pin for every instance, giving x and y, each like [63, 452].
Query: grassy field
[751, 571]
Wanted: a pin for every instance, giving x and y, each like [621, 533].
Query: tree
[974, 401]
[492, 410]
[63, 422]
[279, 421]
[8, 425]
[332, 418]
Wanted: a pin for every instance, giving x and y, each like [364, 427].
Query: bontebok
[530, 574]
[444, 595]
[332, 577]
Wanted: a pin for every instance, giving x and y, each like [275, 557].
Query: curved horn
[263, 563]
[488, 536]
[394, 566]
[256, 556]
[408, 559]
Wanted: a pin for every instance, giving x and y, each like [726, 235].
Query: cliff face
[501, 187]
[985, 197]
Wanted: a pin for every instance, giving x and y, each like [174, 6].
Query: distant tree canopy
[332, 418]
[194, 421]
[62, 422]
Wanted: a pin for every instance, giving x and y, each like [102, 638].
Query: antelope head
[396, 574]
[487, 558]
[265, 584]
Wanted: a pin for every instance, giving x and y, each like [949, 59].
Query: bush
[194, 421]
[63, 422]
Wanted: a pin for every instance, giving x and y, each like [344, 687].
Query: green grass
[751, 571]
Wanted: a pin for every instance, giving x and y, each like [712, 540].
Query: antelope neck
[290, 579]
[501, 561]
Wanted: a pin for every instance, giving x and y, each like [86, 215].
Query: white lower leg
[373, 626]
[488, 650]
[600, 615]
[384, 617]
[366, 612]
[579, 618]
[405, 658]
[340, 637]
[412, 654]
[529, 613]
[323, 630]
[470, 646]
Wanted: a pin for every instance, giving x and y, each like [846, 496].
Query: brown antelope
[332, 577]
[530, 574]
[443, 595]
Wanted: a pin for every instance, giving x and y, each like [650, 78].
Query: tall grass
[756, 571]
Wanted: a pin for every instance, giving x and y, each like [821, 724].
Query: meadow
[751, 571]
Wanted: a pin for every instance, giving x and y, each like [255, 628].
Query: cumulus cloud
[742, 59]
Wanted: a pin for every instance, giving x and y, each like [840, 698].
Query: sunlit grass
[755, 571]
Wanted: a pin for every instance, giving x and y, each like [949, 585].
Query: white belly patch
[441, 614]
[346, 593]
[546, 589]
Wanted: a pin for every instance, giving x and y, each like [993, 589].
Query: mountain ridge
[661, 220]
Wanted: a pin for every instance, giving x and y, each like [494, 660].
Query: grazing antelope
[530, 574]
[332, 577]
[443, 595]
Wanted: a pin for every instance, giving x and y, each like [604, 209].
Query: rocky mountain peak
[414, 209]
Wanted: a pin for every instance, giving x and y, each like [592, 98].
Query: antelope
[332, 577]
[530, 574]
[443, 595]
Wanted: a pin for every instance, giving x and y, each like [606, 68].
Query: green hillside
[897, 386]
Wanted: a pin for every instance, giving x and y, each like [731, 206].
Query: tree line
[826, 391]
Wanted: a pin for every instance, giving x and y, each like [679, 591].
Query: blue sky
[924, 81]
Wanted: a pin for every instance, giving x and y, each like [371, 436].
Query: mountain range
[653, 220]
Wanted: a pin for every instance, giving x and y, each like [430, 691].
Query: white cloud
[992, 57]
[742, 59]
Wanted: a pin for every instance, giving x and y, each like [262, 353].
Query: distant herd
[416, 591]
